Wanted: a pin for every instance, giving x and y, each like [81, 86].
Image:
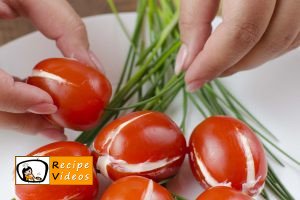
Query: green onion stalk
[148, 83]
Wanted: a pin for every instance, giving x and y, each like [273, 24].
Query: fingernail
[193, 86]
[96, 61]
[54, 134]
[43, 108]
[180, 59]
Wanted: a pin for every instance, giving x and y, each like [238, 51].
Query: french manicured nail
[96, 61]
[54, 134]
[180, 59]
[193, 86]
[43, 108]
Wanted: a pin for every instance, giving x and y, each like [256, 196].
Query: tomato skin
[148, 138]
[56, 192]
[80, 99]
[64, 148]
[135, 188]
[222, 193]
[217, 143]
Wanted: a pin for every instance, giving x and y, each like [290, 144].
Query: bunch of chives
[148, 80]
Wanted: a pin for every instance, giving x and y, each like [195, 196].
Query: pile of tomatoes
[141, 149]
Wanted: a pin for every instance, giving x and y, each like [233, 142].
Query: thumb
[19, 97]
[195, 28]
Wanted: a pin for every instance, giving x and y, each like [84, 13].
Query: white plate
[271, 92]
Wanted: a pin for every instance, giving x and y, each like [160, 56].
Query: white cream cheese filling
[209, 179]
[149, 191]
[44, 74]
[251, 180]
[123, 166]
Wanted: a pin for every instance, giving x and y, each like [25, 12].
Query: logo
[54, 170]
[32, 170]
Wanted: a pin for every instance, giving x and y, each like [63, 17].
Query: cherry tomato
[80, 92]
[136, 188]
[56, 192]
[225, 151]
[144, 143]
[223, 193]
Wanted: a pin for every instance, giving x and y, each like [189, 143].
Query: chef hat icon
[25, 165]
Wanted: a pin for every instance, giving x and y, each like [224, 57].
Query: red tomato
[144, 143]
[136, 188]
[225, 151]
[223, 193]
[56, 192]
[80, 92]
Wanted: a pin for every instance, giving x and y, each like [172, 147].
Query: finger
[57, 20]
[30, 124]
[18, 79]
[296, 43]
[19, 97]
[6, 12]
[244, 23]
[195, 28]
[278, 39]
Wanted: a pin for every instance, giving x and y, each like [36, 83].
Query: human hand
[21, 105]
[252, 33]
